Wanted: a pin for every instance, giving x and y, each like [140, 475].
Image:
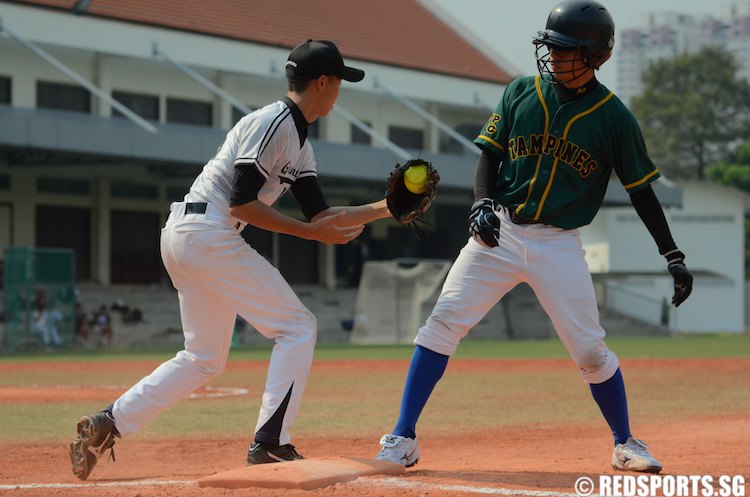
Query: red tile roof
[394, 32]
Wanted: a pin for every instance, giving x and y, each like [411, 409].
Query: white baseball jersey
[219, 276]
[267, 139]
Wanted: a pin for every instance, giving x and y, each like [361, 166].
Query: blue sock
[426, 368]
[613, 403]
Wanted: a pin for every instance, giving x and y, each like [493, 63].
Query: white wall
[709, 229]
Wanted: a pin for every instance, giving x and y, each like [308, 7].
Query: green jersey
[558, 156]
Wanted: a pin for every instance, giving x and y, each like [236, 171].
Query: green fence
[38, 298]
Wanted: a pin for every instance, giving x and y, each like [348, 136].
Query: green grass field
[358, 398]
[687, 346]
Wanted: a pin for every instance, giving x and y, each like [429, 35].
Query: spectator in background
[44, 321]
[129, 315]
[82, 327]
[102, 326]
[135, 315]
[120, 306]
[40, 298]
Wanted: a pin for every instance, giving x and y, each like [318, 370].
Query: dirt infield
[502, 459]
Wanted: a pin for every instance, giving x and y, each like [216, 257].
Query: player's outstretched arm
[329, 229]
[357, 214]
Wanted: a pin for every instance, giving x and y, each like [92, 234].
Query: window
[298, 259]
[134, 190]
[406, 137]
[4, 182]
[4, 90]
[62, 96]
[65, 186]
[66, 227]
[237, 114]
[467, 130]
[176, 193]
[189, 112]
[146, 106]
[359, 136]
[134, 257]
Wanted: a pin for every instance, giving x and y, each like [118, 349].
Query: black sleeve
[485, 178]
[309, 196]
[649, 210]
[246, 184]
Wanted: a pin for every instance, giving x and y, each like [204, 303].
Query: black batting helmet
[573, 24]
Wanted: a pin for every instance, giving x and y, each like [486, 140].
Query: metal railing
[633, 304]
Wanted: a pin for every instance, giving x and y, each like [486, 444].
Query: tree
[693, 109]
[734, 171]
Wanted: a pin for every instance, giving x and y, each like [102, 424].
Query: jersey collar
[299, 120]
[568, 95]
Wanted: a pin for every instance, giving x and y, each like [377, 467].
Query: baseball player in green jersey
[547, 155]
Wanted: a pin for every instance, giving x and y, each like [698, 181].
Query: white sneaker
[401, 450]
[633, 456]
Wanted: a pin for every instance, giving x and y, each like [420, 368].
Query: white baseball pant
[551, 261]
[218, 276]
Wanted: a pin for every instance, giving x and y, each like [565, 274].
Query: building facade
[708, 227]
[76, 172]
[669, 34]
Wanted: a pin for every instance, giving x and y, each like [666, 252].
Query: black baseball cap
[315, 58]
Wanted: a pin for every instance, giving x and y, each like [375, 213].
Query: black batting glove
[683, 280]
[484, 225]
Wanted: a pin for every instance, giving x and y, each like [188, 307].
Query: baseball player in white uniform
[219, 276]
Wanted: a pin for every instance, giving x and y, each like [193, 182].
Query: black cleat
[95, 434]
[257, 454]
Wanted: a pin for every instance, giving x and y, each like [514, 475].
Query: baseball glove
[406, 206]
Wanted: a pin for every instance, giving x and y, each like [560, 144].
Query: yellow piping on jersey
[546, 131]
[642, 180]
[565, 137]
[487, 138]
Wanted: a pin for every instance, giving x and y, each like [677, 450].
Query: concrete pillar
[433, 132]
[102, 79]
[327, 266]
[224, 109]
[23, 187]
[101, 228]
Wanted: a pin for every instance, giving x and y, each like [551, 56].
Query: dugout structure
[30, 273]
[390, 303]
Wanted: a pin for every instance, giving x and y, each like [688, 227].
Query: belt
[202, 207]
[195, 207]
[519, 220]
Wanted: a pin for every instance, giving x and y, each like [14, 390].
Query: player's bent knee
[310, 326]
[438, 337]
[208, 367]
[302, 327]
[600, 368]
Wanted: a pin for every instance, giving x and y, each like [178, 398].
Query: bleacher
[519, 317]
[161, 315]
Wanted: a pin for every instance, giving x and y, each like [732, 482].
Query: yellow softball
[415, 179]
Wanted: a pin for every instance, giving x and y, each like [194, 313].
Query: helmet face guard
[547, 71]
